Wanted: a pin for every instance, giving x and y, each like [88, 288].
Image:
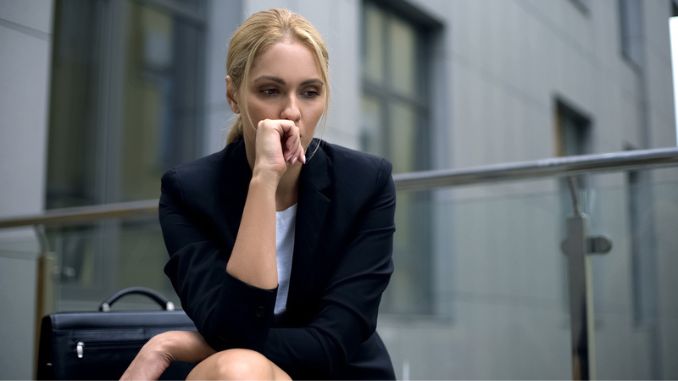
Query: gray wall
[25, 46]
[223, 18]
[26, 28]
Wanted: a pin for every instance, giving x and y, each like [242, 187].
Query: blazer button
[259, 312]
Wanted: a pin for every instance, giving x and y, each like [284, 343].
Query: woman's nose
[291, 110]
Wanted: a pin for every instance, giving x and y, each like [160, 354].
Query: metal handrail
[560, 166]
[84, 214]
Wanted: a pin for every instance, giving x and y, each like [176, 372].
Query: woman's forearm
[278, 147]
[253, 257]
[162, 349]
[186, 346]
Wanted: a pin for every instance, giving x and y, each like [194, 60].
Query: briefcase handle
[156, 297]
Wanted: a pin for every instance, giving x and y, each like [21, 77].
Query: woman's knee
[235, 364]
[241, 364]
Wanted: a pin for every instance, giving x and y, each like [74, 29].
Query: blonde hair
[260, 31]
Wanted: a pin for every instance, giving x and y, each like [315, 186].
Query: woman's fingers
[293, 149]
[278, 145]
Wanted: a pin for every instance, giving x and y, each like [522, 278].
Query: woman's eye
[310, 93]
[269, 91]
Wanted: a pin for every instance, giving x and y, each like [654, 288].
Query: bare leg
[237, 364]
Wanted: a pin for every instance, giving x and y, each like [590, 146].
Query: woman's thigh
[237, 364]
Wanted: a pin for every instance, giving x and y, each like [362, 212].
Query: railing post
[44, 298]
[577, 246]
[581, 306]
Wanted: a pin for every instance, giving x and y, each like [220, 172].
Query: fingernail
[303, 159]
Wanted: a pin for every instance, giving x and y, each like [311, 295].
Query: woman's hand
[159, 352]
[278, 145]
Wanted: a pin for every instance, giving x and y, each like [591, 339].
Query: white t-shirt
[284, 244]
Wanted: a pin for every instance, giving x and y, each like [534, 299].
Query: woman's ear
[230, 95]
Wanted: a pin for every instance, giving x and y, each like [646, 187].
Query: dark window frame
[420, 103]
[630, 50]
[425, 27]
[96, 248]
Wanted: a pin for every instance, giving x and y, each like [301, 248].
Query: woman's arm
[227, 312]
[277, 146]
[253, 257]
[231, 303]
[159, 352]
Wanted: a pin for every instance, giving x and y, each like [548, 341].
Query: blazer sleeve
[349, 306]
[227, 312]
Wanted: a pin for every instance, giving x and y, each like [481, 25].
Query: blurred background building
[100, 97]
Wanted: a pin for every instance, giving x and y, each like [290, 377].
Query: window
[395, 105]
[126, 100]
[573, 137]
[396, 119]
[572, 130]
[631, 35]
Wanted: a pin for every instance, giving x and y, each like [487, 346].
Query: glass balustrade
[480, 289]
[495, 303]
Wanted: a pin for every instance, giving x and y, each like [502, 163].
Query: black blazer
[341, 262]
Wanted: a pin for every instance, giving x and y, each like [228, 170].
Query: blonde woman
[280, 244]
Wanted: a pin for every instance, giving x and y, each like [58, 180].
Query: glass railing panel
[94, 260]
[635, 311]
[18, 281]
[19, 258]
[480, 289]
[493, 290]
[664, 344]
[495, 303]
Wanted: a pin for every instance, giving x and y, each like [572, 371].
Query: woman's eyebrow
[313, 81]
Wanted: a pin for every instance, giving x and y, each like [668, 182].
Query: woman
[280, 244]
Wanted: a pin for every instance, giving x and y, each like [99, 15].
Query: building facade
[100, 97]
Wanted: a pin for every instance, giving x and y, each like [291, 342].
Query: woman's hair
[260, 31]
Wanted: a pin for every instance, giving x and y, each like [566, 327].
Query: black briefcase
[100, 345]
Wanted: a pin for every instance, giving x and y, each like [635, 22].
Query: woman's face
[284, 83]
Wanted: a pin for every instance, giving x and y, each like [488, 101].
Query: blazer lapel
[312, 205]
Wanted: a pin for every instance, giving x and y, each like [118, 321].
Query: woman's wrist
[163, 344]
[150, 362]
[184, 346]
[265, 179]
